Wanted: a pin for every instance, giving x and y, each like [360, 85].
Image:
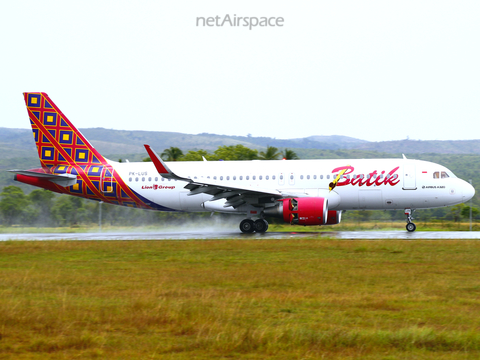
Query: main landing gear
[411, 227]
[249, 226]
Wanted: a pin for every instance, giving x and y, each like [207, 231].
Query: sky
[372, 70]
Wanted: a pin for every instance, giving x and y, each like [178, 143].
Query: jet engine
[304, 211]
[334, 217]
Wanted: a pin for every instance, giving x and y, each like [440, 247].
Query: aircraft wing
[234, 195]
[59, 179]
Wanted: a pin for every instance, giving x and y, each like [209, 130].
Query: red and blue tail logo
[58, 141]
[62, 149]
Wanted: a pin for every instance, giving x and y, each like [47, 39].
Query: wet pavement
[207, 235]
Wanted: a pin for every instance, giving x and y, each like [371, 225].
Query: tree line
[227, 152]
[43, 208]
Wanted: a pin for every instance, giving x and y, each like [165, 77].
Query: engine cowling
[333, 217]
[304, 211]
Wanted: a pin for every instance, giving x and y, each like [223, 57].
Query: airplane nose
[468, 191]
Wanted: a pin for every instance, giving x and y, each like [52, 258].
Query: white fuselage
[410, 184]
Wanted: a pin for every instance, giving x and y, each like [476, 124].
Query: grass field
[252, 299]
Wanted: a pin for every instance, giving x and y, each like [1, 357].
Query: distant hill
[19, 142]
[16, 143]
[423, 146]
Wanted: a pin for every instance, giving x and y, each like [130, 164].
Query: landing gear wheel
[411, 227]
[261, 225]
[247, 226]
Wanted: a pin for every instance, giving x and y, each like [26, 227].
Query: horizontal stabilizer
[59, 179]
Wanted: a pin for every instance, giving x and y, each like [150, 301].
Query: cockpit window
[441, 174]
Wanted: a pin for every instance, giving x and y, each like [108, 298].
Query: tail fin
[58, 141]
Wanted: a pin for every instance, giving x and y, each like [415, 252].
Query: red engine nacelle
[333, 217]
[305, 211]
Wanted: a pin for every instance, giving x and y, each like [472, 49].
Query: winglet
[161, 167]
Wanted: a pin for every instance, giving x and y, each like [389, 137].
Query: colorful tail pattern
[58, 141]
[63, 149]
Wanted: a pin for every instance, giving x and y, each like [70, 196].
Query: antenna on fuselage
[404, 157]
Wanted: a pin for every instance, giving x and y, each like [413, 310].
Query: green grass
[254, 299]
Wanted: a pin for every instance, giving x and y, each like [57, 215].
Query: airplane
[303, 192]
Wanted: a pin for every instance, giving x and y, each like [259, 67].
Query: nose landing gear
[411, 227]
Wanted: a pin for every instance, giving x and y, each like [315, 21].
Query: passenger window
[136, 179]
[241, 177]
[301, 177]
[273, 177]
[130, 179]
[314, 177]
[156, 179]
[321, 177]
[221, 177]
[281, 177]
[260, 177]
[254, 177]
[291, 177]
[149, 179]
[143, 179]
[234, 178]
[247, 177]
[228, 177]
[267, 177]
[328, 177]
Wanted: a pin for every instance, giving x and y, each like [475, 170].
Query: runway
[215, 235]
